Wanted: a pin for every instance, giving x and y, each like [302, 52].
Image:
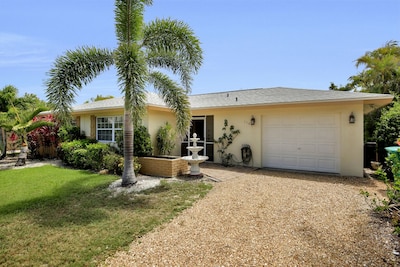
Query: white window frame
[111, 120]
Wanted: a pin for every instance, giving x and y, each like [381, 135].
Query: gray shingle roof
[118, 102]
[276, 96]
[249, 97]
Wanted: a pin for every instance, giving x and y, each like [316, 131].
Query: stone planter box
[163, 166]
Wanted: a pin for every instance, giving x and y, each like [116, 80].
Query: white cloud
[22, 51]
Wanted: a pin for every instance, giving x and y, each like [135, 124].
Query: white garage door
[301, 142]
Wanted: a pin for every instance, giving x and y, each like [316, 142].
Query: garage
[301, 141]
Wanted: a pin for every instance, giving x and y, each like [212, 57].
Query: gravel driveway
[266, 218]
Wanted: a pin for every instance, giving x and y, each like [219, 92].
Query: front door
[203, 126]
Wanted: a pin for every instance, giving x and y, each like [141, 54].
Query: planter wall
[163, 166]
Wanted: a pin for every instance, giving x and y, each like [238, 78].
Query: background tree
[381, 74]
[7, 95]
[387, 129]
[99, 98]
[382, 70]
[13, 110]
[143, 49]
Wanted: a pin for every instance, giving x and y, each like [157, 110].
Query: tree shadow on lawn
[77, 203]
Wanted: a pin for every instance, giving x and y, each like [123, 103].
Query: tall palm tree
[142, 51]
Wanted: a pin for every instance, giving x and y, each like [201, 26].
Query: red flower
[13, 137]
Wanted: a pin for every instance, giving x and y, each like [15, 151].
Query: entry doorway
[203, 126]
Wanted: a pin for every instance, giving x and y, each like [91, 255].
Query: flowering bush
[43, 141]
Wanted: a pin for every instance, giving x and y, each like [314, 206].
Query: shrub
[70, 133]
[141, 144]
[165, 139]
[390, 206]
[114, 163]
[79, 158]
[387, 129]
[66, 150]
[88, 154]
[95, 154]
[43, 141]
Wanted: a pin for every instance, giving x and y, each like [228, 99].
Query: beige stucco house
[286, 128]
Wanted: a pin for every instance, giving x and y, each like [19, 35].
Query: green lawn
[54, 216]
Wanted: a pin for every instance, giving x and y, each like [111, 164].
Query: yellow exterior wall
[157, 119]
[153, 120]
[351, 135]
[85, 125]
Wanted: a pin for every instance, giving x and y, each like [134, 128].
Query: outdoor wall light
[352, 119]
[252, 120]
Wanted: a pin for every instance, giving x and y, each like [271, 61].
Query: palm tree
[142, 51]
[382, 70]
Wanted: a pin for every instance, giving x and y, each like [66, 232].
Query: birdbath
[194, 160]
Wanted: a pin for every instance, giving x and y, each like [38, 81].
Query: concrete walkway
[220, 173]
[9, 163]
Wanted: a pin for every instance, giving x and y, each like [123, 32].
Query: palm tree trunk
[3, 142]
[128, 176]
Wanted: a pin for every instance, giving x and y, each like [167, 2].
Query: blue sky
[246, 43]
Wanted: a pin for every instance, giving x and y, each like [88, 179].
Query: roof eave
[371, 100]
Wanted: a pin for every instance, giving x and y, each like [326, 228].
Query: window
[107, 128]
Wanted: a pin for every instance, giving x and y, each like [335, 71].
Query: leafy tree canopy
[381, 73]
[7, 95]
[9, 100]
[99, 98]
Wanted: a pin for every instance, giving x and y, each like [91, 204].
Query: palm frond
[175, 97]
[132, 77]
[6, 121]
[38, 124]
[33, 114]
[172, 37]
[129, 19]
[170, 60]
[70, 72]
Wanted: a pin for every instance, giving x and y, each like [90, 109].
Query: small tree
[225, 141]
[166, 139]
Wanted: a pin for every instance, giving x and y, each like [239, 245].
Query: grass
[61, 217]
